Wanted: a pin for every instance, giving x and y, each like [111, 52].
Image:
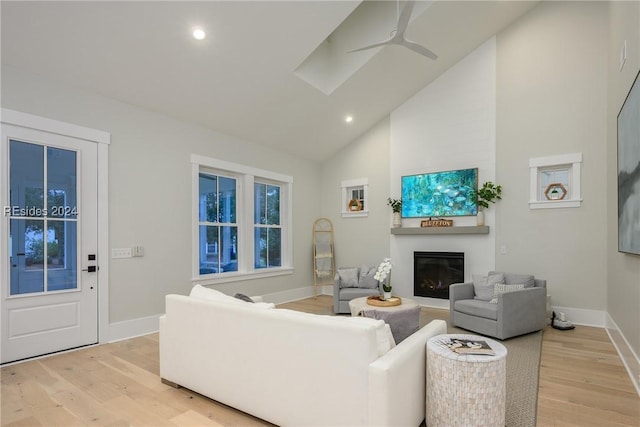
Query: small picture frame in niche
[354, 205]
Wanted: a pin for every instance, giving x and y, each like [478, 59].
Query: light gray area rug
[523, 372]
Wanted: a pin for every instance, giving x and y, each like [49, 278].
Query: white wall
[448, 125]
[360, 240]
[150, 191]
[551, 99]
[623, 270]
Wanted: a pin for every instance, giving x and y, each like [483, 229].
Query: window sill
[238, 277]
[554, 204]
[355, 214]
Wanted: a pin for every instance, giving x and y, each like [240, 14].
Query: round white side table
[463, 389]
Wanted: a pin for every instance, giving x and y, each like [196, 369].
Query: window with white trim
[242, 222]
[555, 181]
[355, 197]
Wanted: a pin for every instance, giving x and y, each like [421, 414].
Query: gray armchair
[514, 312]
[353, 283]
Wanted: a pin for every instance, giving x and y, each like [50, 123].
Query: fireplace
[433, 272]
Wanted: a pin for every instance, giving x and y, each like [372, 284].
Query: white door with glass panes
[49, 243]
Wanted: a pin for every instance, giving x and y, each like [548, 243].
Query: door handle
[91, 269]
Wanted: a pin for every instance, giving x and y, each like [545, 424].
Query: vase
[397, 219]
[480, 218]
[386, 295]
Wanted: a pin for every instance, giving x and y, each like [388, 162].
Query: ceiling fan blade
[419, 49]
[371, 46]
[403, 21]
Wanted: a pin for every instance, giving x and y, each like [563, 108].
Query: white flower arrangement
[384, 270]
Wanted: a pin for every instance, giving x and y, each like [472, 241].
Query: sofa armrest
[397, 380]
[459, 291]
[522, 311]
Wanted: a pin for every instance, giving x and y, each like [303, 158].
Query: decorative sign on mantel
[436, 223]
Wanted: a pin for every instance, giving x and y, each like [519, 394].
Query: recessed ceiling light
[348, 119]
[199, 34]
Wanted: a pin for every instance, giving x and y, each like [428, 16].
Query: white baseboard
[132, 328]
[629, 357]
[581, 316]
[289, 295]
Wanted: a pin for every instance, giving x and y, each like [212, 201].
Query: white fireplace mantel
[481, 229]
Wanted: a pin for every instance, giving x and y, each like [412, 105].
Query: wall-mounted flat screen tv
[440, 194]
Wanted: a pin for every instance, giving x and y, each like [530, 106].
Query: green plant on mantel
[488, 193]
[396, 204]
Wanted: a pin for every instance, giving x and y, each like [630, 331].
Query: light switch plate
[121, 253]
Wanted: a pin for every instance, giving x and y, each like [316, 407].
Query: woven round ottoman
[464, 389]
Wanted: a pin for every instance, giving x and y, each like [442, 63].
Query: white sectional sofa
[292, 368]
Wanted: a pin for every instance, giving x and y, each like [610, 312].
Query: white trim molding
[629, 358]
[573, 163]
[30, 121]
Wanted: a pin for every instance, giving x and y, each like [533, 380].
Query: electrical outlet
[121, 253]
[138, 251]
[503, 249]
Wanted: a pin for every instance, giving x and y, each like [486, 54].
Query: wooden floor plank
[582, 383]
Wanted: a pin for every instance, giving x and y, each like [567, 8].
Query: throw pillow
[483, 286]
[201, 292]
[243, 297]
[366, 279]
[402, 322]
[515, 279]
[501, 288]
[348, 277]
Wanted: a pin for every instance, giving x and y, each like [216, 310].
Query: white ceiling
[240, 80]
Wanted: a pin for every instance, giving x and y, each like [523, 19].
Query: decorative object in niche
[629, 172]
[555, 191]
[355, 205]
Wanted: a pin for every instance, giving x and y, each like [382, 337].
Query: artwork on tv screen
[440, 194]
[629, 172]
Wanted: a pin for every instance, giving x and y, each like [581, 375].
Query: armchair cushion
[483, 286]
[366, 279]
[348, 277]
[500, 288]
[477, 308]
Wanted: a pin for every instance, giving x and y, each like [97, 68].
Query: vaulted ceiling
[241, 79]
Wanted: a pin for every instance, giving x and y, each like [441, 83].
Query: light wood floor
[582, 383]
